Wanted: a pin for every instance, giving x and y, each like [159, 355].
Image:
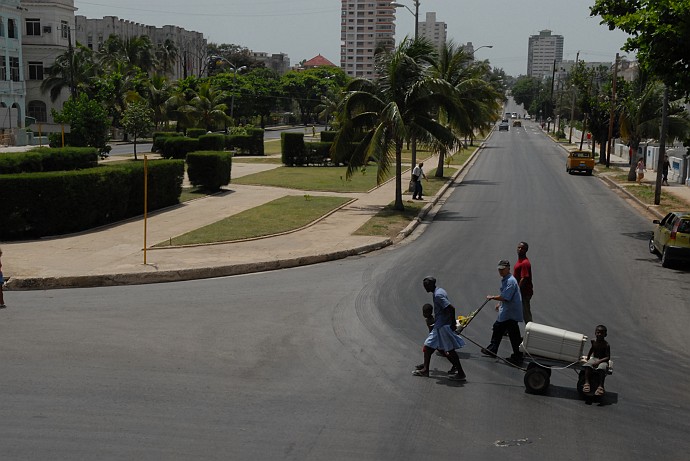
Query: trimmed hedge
[212, 142]
[328, 136]
[257, 145]
[178, 147]
[47, 159]
[159, 137]
[196, 132]
[53, 203]
[292, 147]
[317, 153]
[209, 170]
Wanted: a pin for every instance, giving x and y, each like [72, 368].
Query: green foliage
[526, 90]
[137, 119]
[328, 136]
[47, 159]
[159, 138]
[293, 149]
[196, 132]
[53, 203]
[87, 119]
[178, 147]
[317, 153]
[209, 170]
[214, 142]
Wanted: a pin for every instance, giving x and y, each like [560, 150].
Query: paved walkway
[113, 255]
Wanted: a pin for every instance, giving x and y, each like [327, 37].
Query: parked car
[517, 123]
[671, 238]
[580, 160]
[528, 117]
[503, 126]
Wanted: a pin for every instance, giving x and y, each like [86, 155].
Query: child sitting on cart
[597, 360]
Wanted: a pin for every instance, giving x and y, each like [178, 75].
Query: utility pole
[572, 108]
[553, 81]
[662, 147]
[612, 113]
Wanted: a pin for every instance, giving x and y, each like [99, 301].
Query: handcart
[547, 348]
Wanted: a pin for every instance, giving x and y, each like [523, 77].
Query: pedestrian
[640, 169]
[417, 175]
[523, 274]
[428, 314]
[2, 281]
[664, 171]
[509, 309]
[442, 335]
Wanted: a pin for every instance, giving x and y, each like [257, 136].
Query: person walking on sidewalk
[523, 274]
[640, 169]
[664, 171]
[442, 335]
[2, 281]
[417, 175]
[509, 309]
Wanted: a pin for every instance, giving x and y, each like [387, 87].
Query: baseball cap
[503, 264]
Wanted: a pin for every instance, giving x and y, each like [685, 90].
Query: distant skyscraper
[365, 26]
[432, 30]
[543, 50]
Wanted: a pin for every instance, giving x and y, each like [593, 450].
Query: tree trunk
[135, 147]
[632, 175]
[662, 148]
[602, 153]
[441, 161]
[398, 176]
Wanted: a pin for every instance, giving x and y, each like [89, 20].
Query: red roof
[317, 61]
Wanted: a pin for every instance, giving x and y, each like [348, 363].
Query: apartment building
[544, 52]
[279, 62]
[366, 25]
[191, 46]
[433, 30]
[12, 87]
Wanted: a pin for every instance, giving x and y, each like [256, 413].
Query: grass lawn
[280, 215]
[645, 193]
[389, 221]
[313, 178]
[191, 193]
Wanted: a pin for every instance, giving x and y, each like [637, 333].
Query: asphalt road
[315, 363]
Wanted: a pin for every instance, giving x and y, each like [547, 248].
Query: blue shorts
[2, 279]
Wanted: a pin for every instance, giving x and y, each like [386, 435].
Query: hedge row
[47, 159]
[53, 203]
[295, 152]
[209, 170]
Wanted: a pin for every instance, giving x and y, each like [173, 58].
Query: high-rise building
[365, 26]
[12, 84]
[432, 30]
[545, 51]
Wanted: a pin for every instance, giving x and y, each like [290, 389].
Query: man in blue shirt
[509, 309]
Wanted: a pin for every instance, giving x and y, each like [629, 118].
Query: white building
[12, 87]
[366, 25]
[279, 62]
[434, 31]
[545, 51]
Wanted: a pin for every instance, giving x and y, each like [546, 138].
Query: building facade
[12, 86]
[191, 46]
[279, 62]
[365, 27]
[434, 31]
[545, 51]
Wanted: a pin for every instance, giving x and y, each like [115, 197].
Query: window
[2, 27]
[35, 70]
[37, 110]
[65, 29]
[11, 28]
[14, 69]
[3, 68]
[33, 26]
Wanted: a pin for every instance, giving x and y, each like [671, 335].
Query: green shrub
[55, 139]
[257, 145]
[47, 159]
[292, 147]
[328, 136]
[212, 142]
[159, 137]
[238, 142]
[53, 203]
[209, 170]
[178, 147]
[317, 152]
[195, 132]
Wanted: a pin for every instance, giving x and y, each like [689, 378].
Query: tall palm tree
[477, 99]
[399, 105]
[167, 54]
[72, 70]
[158, 91]
[207, 109]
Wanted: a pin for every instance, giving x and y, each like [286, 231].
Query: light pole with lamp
[235, 70]
[483, 46]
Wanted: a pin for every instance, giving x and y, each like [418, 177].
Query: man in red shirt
[523, 274]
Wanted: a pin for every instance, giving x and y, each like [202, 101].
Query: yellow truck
[580, 160]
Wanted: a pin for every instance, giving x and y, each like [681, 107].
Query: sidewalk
[113, 255]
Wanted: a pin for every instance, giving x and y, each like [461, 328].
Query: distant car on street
[671, 238]
[503, 126]
[528, 117]
[580, 160]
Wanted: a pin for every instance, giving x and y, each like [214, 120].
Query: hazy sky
[305, 28]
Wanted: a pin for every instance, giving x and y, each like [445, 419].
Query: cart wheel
[537, 380]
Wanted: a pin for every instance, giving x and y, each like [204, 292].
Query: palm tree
[167, 54]
[400, 104]
[477, 100]
[158, 92]
[73, 70]
[206, 109]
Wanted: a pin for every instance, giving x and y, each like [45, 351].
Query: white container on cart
[553, 343]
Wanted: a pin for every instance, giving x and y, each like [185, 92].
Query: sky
[305, 28]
